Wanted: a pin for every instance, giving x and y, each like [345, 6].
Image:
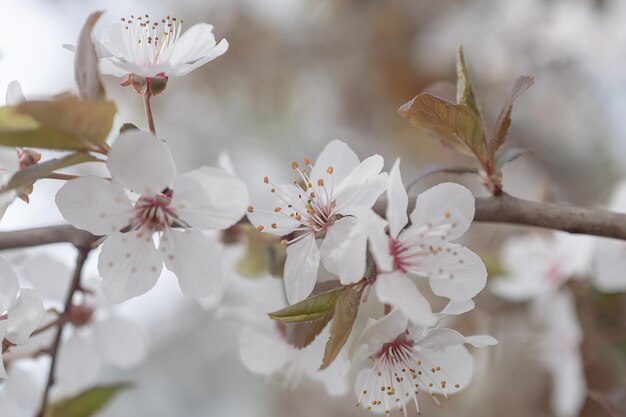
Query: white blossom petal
[481, 340]
[379, 241]
[343, 250]
[337, 156]
[610, 264]
[95, 204]
[272, 213]
[24, 316]
[209, 198]
[50, 276]
[186, 67]
[456, 368]
[378, 332]
[9, 286]
[129, 264]
[445, 205]
[78, 363]
[195, 259]
[120, 341]
[362, 187]
[14, 93]
[397, 201]
[456, 308]
[193, 44]
[569, 387]
[262, 351]
[455, 272]
[303, 259]
[141, 162]
[397, 290]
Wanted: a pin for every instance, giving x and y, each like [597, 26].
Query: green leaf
[501, 127]
[453, 124]
[87, 403]
[312, 308]
[302, 334]
[346, 310]
[507, 155]
[30, 174]
[64, 123]
[464, 91]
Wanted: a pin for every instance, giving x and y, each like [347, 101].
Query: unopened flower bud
[79, 315]
[28, 157]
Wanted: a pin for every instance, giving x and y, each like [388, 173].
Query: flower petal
[209, 198]
[481, 340]
[9, 163]
[334, 163]
[49, 276]
[362, 187]
[272, 213]
[397, 201]
[343, 250]
[120, 341]
[379, 242]
[95, 204]
[446, 206]
[25, 316]
[9, 286]
[454, 272]
[456, 308]
[129, 265]
[610, 264]
[378, 332]
[78, 363]
[193, 43]
[195, 259]
[398, 290]
[440, 339]
[14, 93]
[569, 386]
[141, 162]
[262, 351]
[209, 55]
[303, 259]
[456, 368]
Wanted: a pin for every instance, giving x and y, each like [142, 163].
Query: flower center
[154, 212]
[398, 375]
[148, 42]
[309, 201]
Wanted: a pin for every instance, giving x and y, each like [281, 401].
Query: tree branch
[508, 209]
[44, 236]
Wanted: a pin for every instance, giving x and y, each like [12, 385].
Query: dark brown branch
[83, 252]
[508, 209]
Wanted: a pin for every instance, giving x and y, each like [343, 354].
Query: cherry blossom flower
[20, 393]
[157, 47]
[21, 310]
[129, 262]
[559, 351]
[96, 334]
[442, 213]
[556, 257]
[322, 204]
[609, 255]
[409, 360]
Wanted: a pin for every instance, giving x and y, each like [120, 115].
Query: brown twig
[580, 220]
[44, 236]
[83, 252]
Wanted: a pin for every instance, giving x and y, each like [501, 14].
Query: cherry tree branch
[505, 208]
[83, 253]
[44, 236]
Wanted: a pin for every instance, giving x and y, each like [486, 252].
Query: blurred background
[302, 72]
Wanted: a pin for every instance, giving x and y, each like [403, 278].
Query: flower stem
[59, 176]
[149, 118]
